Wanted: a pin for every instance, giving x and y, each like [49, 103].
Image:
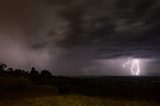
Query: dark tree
[19, 72]
[34, 75]
[3, 66]
[46, 74]
[10, 69]
[33, 72]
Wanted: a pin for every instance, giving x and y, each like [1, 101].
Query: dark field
[81, 91]
[75, 100]
[18, 87]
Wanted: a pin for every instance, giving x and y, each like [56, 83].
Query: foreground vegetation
[74, 101]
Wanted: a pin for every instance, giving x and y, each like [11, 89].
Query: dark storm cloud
[117, 27]
[67, 36]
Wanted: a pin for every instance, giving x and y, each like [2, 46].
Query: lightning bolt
[135, 66]
[127, 63]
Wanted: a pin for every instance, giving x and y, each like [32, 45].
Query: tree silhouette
[46, 74]
[33, 72]
[34, 75]
[3, 66]
[10, 70]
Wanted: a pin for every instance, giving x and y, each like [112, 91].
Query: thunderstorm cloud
[79, 37]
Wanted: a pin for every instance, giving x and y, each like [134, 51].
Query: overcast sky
[80, 37]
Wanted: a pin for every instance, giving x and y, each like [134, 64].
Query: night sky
[80, 37]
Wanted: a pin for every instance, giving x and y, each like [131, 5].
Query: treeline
[33, 81]
[18, 82]
[37, 82]
[33, 75]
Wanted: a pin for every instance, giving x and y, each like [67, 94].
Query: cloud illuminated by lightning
[135, 66]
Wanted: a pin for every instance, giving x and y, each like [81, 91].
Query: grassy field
[71, 100]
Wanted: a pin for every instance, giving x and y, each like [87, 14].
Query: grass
[72, 100]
